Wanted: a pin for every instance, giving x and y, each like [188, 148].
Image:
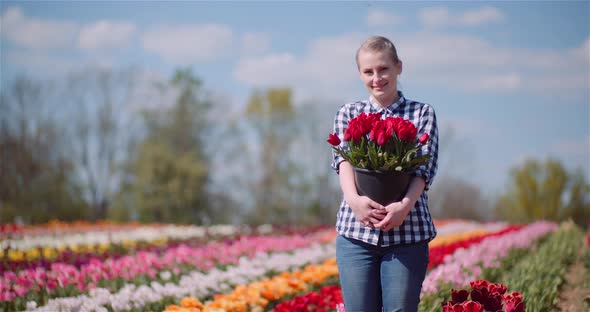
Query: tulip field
[132, 267]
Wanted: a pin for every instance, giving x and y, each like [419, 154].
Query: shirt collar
[391, 107]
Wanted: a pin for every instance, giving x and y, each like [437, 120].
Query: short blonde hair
[378, 44]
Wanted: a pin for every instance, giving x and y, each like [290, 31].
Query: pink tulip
[7, 296]
[20, 291]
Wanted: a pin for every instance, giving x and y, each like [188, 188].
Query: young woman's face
[379, 75]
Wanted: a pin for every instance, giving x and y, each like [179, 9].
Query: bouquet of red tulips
[386, 145]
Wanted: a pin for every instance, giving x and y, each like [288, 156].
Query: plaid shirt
[418, 224]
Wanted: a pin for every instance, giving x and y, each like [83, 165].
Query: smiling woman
[382, 249]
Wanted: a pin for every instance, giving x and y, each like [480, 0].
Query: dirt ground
[575, 294]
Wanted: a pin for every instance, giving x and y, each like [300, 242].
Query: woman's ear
[400, 67]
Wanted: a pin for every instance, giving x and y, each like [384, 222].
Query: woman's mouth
[379, 87]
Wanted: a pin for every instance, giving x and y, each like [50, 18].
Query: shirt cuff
[336, 163]
[423, 173]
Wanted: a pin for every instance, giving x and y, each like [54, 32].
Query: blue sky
[509, 79]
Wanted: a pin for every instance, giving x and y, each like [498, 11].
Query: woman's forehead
[369, 58]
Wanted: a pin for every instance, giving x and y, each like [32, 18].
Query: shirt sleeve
[340, 124]
[428, 125]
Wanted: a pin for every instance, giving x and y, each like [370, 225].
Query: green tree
[169, 175]
[271, 116]
[545, 191]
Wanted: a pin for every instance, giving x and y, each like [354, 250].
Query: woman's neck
[386, 102]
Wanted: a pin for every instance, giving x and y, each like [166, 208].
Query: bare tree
[35, 172]
[100, 132]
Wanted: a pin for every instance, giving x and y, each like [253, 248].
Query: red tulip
[499, 288]
[459, 296]
[514, 302]
[447, 307]
[334, 139]
[423, 138]
[494, 302]
[472, 306]
[479, 294]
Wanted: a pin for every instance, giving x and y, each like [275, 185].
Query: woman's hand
[367, 211]
[396, 212]
[394, 215]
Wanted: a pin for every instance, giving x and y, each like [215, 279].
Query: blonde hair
[378, 44]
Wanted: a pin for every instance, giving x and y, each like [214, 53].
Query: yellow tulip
[49, 253]
[16, 255]
[32, 254]
[103, 247]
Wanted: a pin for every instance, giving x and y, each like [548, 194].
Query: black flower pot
[382, 187]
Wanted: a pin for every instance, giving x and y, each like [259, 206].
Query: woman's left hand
[395, 213]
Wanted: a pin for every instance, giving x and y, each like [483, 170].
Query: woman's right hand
[366, 210]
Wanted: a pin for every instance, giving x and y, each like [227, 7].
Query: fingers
[367, 223]
[381, 224]
[379, 213]
[374, 220]
[375, 205]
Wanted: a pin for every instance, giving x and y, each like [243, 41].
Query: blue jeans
[375, 277]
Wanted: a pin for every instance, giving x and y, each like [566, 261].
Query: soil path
[575, 293]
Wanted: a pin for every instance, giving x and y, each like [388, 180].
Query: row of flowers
[461, 226]
[82, 255]
[438, 254]
[482, 296]
[465, 265]
[462, 230]
[57, 227]
[66, 280]
[125, 236]
[540, 274]
[199, 284]
[257, 296]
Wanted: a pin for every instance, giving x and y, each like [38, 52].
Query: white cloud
[481, 16]
[473, 64]
[460, 62]
[577, 147]
[106, 34]
[440, 16]
[380, 17]
[255, 43]
[327, 69]
[270, 70]
[189, 43]
[40, 63]
[36, 34]
[508, 81]
[461, 129]
[435, 16]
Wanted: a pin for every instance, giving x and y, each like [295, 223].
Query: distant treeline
[95, 146]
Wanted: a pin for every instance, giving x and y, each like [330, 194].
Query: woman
[382, 251]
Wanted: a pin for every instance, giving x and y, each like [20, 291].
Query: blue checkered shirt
[418, 225]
